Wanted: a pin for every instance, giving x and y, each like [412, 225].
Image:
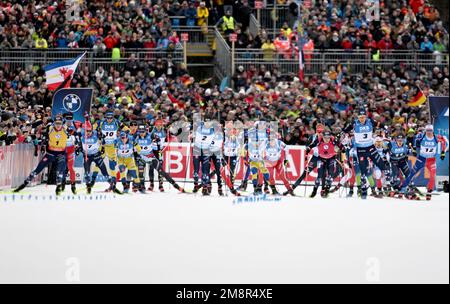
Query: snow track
[186, 238]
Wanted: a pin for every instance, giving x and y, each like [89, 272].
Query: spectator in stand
[163, 41]
[227, 23]
[283, 46]
[202, 14]
[426, 46]
[242, 12]
[416, 5]
[385, 43]
[112, 40]
[41, 43]
[347, 44]
[335, 42]
[438, 45]
[370, 43]
[191, 14]
[268, 49]
[412, 44]
[99, 48]
[174, 12]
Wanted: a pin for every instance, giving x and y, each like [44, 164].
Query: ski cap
[109, 114]
[429, 128]
[362, 111]
[142, 129]
[58, 118]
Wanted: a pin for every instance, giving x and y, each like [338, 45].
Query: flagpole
[429, 111]
[300, 39]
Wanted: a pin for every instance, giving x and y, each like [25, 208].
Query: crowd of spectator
[105, 25]
[145, 90]
[338, 24]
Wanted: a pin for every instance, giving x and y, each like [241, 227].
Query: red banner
[178, 162]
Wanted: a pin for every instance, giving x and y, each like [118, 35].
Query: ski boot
[393, 193]
[161, 187]
[374, 193]
[359, 191]
[58, 190]
[413, 196]
[428, 196]
[141, 188]
[113, 188]
[88, 187]
[63, 186]
[314, 192]
[126, 187]
[209, 188]
[289, 192]
[196, 187]
[380, 193]
[205, 191]
[257, 190]
[234, 192]
[324, 192]
[73, 188]
[151, 187]
[364, 193]
[134, 188]
[220, 191]
[243, 185]
[266, 188]
[21, 187]
[350, 192]
[274, 190]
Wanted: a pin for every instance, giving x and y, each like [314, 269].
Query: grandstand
[127, 38]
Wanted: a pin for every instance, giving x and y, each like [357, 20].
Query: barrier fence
[273, 17]
[254, 26]
[24, 58]
[16, 163]
[197, 34]
[222, 59]
[356, 61]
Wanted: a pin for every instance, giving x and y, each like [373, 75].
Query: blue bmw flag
[75, 101]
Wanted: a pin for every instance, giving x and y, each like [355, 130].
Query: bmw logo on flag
[71, 103]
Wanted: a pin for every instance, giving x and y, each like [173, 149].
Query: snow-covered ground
[185, 238]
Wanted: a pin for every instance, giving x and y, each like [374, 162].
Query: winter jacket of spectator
[202, 15]
[190, 14]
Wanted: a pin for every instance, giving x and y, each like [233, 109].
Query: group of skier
[359, 154]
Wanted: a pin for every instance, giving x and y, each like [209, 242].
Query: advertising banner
[75, 101]
[439, 115]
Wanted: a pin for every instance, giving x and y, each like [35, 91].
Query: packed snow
[187, 238]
